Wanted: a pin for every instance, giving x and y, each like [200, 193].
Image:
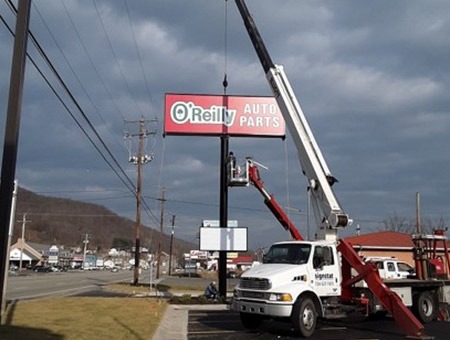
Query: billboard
[215, 115]
[223, 239]
[216, 223]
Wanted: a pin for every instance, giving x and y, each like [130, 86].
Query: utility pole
[85, 241]
[22, 242]
[161, 224]
[6, 264]
[418, 219]
[171, 245]
[12, 128]
[139, 160]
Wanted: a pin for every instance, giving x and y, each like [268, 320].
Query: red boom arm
[269, 200]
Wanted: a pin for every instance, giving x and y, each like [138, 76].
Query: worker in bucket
[211, 291]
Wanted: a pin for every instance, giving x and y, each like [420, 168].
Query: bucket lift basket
[238, 175]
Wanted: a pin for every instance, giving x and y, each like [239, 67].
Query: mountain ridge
[65, 222]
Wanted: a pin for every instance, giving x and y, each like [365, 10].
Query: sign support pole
[222, 265]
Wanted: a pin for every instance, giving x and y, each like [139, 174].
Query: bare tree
[398, 223]
[428, 225]
[409, 226]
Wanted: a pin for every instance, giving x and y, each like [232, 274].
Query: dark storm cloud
[371, 78]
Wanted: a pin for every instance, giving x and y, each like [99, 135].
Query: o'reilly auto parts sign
[189, 114]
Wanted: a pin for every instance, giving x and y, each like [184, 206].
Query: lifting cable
[225, 49]
[286, 165]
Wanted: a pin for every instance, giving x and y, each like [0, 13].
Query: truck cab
[293, 282]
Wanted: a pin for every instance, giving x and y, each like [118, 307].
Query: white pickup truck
[392, 268]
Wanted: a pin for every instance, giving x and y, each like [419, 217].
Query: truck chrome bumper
[261, 308]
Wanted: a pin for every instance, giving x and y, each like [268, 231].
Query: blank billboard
[223, 239]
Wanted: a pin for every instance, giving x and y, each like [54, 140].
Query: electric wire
[73, 71]
[62, 101]
[126, 180]
[225, 49]
[59, 97]
[139, 58]
[127, 85]
[110, 96]
[286, 167]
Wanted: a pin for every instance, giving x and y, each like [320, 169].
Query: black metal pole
[12, 129]
[224, 142]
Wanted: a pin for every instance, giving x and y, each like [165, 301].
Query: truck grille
[254, 283]
[253, 295]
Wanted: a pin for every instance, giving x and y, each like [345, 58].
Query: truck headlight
[285, 297]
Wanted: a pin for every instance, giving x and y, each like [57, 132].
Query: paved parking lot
[225, 325]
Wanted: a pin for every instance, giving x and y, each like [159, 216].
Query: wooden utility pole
[12, 127]
[171, 245]
[418, 219]
[139, 160]
[137, 247]
[161, 226]
[22, 242]
[85, 242]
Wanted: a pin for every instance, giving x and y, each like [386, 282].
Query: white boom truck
[300, 281]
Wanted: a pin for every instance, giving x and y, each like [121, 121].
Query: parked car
[42, 269]
[62, 268]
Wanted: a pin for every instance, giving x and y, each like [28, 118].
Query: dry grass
[83, 318]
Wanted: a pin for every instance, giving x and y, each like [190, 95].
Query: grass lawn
[83, 318]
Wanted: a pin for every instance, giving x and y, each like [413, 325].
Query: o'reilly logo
[182, 112]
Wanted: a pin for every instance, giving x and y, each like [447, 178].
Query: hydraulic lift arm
[271, 203]
[327, 208]
[328, 212]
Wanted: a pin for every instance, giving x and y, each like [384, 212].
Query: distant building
[30, 255]
[38, 254]
[385, 243]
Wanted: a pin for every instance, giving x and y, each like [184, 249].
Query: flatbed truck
[300, 280]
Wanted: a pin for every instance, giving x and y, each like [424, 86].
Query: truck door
[404, 269]
[326, 278]
[391, 270]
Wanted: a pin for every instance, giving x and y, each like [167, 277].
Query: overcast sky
[372, 78]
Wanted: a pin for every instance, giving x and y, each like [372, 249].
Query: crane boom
[271, 203]
[328, 212]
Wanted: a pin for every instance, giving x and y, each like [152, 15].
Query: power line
[139, 56]
[125, 179]
[116, 59]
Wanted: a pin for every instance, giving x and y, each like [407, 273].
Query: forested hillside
[65, 222]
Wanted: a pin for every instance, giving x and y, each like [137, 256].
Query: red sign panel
[189, 114]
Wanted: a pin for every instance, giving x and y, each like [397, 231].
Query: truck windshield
[291, 253]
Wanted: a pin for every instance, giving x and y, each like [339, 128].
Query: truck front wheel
[424, 306]
[304, 317]
[251, 321]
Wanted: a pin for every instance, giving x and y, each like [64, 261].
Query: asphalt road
[36, 285]
[226, 325]
[208, 324]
